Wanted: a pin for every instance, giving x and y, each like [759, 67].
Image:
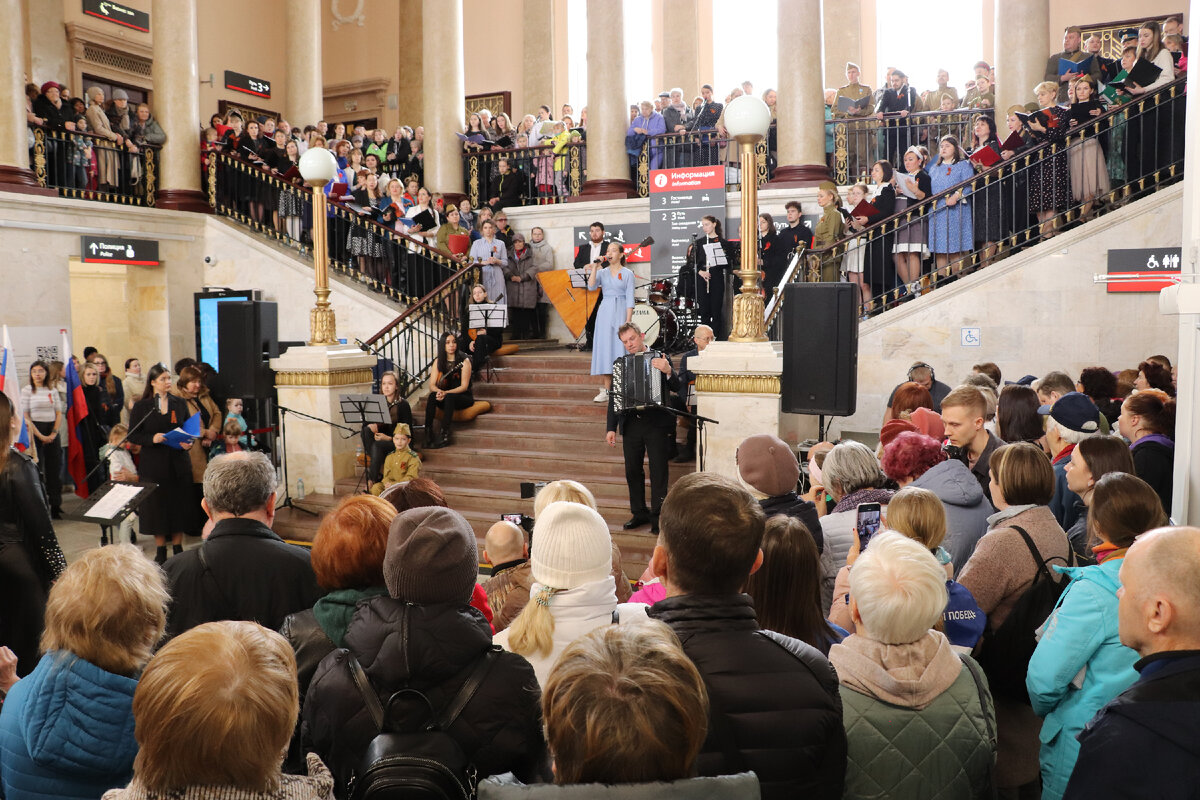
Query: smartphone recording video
[868, 522]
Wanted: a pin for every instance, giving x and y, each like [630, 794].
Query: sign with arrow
[119, 13]
[119, 250]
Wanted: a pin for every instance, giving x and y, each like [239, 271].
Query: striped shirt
[40, 406]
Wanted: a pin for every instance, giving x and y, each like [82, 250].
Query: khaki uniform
[829, 230]
[933, 101]
[859, 136]
[398, 467]
[1052, 70]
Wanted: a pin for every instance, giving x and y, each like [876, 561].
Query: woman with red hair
[908, 397]
[913, 459]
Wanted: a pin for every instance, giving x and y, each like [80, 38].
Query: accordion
[636, 384]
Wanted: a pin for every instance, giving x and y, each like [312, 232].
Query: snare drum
[661, 291]
[646, 318]
[683, 303]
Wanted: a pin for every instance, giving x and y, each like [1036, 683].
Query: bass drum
[658, 325]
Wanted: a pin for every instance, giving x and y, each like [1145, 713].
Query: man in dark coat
[775, 706]
[1146, 742]
[243, 571]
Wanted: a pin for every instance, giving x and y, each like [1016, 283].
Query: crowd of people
[94, 144]
[995, 587]
[1096, 158]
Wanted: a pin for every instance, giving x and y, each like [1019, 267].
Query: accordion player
[637, 384]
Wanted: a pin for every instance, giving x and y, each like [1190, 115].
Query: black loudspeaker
[820, 348]
[247, 335]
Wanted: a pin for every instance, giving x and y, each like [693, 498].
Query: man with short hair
[898, 99]
[795, 234]
[858, 136]
[645, 434]
[507, 189]
[1072, 39]
[1146, 742]
[243, 571]
[776, 708]
[932, 100]
[963, 412]
[590, 253]
[507, 589]
[1053, 386]
[921, 373]
[982, 70]
[1071, 419]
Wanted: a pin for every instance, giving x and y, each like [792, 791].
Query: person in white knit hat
[573, 590]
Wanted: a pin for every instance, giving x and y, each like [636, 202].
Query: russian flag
[76, 412]
[10, 384]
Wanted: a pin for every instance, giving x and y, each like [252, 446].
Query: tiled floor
[76, 537]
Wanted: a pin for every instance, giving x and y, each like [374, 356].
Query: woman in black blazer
[880, 272]
[166, 511]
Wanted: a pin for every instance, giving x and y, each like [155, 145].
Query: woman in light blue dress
[615, 310]
[951, 234]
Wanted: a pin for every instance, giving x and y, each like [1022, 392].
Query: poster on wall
[679, 198]
[118, 13]
[36, 343]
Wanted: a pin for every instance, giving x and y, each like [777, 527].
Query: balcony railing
[859, 142]
[398, 266]
[89, 167]
[1139, 144]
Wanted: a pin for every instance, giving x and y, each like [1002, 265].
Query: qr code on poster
[47, 353]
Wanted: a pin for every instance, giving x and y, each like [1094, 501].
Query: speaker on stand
[820, 349]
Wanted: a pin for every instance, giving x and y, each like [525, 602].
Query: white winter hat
[571, 546]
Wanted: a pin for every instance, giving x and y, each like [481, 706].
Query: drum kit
[668, 321]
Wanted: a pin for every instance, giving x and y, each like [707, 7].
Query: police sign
[119, 250]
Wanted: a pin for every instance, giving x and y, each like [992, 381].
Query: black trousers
[710, 301]
[645, 434]
[50, 463]
[449, 404]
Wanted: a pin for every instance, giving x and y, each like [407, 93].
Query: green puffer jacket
[945, 751]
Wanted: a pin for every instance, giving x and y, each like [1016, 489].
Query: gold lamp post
[747, 119]
[317, 167]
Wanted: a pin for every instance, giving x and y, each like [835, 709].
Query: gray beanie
[431, 557]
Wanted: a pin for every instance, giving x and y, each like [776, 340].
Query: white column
[841, 37]
[608, 110]
[801, 106]
[1022, 47]
[177, 103]
[15, 175]
[540, 59]
[305, 91]
[444, 95]
[1185, 499]
[738, 385]
[681, 57]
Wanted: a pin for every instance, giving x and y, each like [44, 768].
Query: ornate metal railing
[399, 266]
[861, 141]
[410, 341]
[86, 166]
[1140, 147]
[543, 177]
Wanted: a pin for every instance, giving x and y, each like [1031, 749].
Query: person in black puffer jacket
[776, 707]
[425, 635]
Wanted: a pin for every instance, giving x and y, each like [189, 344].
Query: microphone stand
[287, 501]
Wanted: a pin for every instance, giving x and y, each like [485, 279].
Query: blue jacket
[66, 731]
[1081, 633]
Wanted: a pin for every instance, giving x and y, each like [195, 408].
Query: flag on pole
[77, 410]
[10, 384]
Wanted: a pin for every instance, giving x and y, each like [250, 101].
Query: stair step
[574, 393]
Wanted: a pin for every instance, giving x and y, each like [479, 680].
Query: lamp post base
[748, 323]
[322, 326]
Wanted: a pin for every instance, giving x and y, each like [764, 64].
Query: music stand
[579, 280]
[487, 315]
[114, 501]
[361, 410]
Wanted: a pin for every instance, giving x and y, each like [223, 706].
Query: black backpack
[1005, 651]
[422, 764]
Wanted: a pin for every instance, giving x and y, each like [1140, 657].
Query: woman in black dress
[377, 438]
[986, 219]
[880, 268]
[449, 389]
[1049, 177]
[711, 278]
[30, 559]
[168, 508]
[92, 432]
[771, 259]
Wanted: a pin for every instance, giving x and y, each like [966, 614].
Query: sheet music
[902, 180]
[714, 255]
[579, 278]
[487, 315]
[114, 500]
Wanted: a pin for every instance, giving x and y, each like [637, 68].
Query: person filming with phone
[852, 476]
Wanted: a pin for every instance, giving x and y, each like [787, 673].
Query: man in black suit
[685, 399]
[795, 234]
[588, 253]
[644, 432]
